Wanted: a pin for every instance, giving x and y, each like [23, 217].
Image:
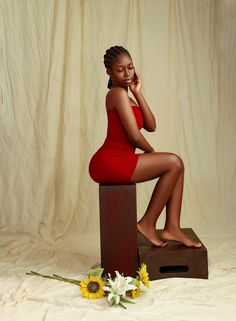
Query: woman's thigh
[153, 165]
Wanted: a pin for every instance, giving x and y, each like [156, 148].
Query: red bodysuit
[115, 161]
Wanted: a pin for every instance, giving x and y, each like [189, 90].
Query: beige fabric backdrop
[52, 88]
[53, 85]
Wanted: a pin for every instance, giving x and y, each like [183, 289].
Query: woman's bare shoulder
[117, 92]
[115, 96]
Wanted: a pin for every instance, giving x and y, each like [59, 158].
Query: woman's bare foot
[178, 236]
[150, 234]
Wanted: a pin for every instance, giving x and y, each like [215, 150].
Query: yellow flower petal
[134, 293]
[144, 275]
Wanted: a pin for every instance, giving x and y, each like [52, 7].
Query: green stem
[55, 277]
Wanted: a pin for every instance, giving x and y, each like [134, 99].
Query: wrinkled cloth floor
[24, 297]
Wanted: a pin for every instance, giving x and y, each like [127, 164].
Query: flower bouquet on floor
[119, 290]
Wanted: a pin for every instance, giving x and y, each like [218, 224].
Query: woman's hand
[135, 86]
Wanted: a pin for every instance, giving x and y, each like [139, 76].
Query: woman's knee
[176, 163]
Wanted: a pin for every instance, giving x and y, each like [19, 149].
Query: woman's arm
[121, 103]
[149, 122]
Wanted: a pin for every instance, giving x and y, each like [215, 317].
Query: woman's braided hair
[110, 56]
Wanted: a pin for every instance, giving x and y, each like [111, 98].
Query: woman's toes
[180, 237]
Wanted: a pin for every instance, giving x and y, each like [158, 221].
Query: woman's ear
[109, 72]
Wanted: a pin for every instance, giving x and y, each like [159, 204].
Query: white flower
[118, 288]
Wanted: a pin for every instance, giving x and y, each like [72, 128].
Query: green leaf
[133, 281]
[126, 300]
[122, 305]
[95, 272]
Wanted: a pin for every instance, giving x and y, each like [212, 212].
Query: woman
[116, 162]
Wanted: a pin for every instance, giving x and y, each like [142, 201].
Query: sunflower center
[93, 287]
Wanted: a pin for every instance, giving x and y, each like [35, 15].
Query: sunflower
[144, 275]
[92, 287]
[134, 293]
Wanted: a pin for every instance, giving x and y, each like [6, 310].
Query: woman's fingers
[137, 74]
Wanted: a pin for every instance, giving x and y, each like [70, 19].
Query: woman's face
[122, 71]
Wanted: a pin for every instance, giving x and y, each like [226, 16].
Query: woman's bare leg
[168, 191]
[172, 229]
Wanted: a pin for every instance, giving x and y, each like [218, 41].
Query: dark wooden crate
[173, 260]
[118, 229]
